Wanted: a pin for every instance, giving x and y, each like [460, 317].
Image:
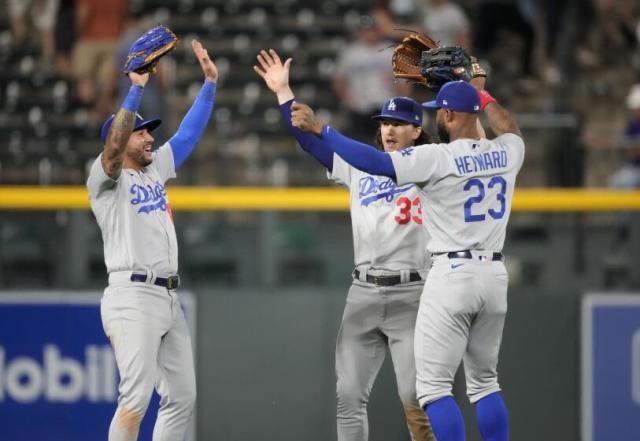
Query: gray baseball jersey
[387, 220]
[469, 185]
[144, 321]
[388, 238]
[134, 216]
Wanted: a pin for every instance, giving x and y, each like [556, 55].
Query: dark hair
[423, 138]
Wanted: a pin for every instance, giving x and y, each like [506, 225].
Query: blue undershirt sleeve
[309, 142]
[193, 124]
[133, 98]
[362, 156]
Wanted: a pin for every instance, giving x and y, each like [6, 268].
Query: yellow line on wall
[571, 200]
[307, 199]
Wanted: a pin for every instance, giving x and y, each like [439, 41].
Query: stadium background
[265, 242]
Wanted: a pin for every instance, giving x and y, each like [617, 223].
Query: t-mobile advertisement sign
[611, 367]
[58, 375]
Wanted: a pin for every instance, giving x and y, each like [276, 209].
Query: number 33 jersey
[388, 229]
[466, 188]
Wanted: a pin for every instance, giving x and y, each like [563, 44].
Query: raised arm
[500, 119]
[479, 82]
[276, 76]
[122, 127]
[195, 121]
[362, 156]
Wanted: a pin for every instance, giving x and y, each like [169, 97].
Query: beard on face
[443, 133]
[139, 158]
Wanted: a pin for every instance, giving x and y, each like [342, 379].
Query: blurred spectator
[628, 176]
[388, 27]
[491, 18]
[634, 27]
[43, 14]
[553, 18]
[65, 35]
[612, 32]
[153, 104]
[99, 26]
[363, 79]
[445, 22]
[406, 10]
[585, 34]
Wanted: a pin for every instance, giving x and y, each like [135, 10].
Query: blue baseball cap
[150, 125]
[458, 96]
[402, 108]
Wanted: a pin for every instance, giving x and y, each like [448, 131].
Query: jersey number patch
[405, 215]
[477, 184]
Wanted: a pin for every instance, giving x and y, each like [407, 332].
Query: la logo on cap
[391, 106]
[445, 102]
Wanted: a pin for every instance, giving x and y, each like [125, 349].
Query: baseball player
[468, 181]
[141, 312]
[390, 261]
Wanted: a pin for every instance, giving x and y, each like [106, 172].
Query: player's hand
[138, 79]
[273, 72]
[302, 117]
[208, 67]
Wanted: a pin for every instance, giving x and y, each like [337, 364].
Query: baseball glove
[407, 56]
[145, 52]
[418, 58]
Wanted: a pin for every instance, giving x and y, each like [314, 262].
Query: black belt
[414, 276]
[171, 282]
[466, 254]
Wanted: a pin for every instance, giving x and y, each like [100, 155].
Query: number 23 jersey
[386, 219]
[469, 187]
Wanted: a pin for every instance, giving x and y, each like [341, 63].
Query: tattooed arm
[122, 127]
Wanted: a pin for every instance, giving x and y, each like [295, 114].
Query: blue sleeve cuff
[133, 98]
[310, 143]
[208, 90]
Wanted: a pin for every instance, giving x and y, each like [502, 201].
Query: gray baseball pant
[152, 345]
[376, 318]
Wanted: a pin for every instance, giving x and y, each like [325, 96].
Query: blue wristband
[132, 101]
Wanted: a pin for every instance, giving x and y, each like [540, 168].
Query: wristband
[485, 99]
[132, 101]
[476, 69]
